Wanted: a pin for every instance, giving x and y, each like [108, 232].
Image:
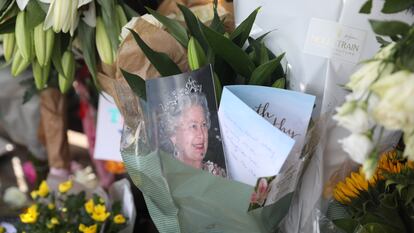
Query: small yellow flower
[54, 221]
[89, 205]
[30, 215]
[49, 225]
[43, 189]
[50, 206]
[99, 213]
[34, 194]
[2, 229]
[88, 229]
[65, 186]
[119, 219]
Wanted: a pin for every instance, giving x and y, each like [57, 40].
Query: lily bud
[103, 44]
[44, 41]
[8, 45]
[68, 66]
[23, 36]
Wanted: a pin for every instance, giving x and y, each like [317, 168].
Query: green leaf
[410, 194]
[216, 24]
[346, 224]
[217, 87]
[264, 56]
[31, 90]
[161, 62]
[136, 83]
[378, 228]
[389, 28]
[366, 8]
[8, 26]
[8, 9]
[35, 14]
[394, 6]
[262, 73]
[242, 32]
[60, 46]
[230, 52]
[173, 27]
[108, 15]
[381, 41]
[129, 12]
[280, 83]
[193, 26]
[87, 42]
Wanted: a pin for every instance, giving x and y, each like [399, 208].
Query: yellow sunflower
[351, 188]
[391, 162]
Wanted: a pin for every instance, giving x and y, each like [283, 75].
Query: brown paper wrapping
[131, 58]
[53, 127]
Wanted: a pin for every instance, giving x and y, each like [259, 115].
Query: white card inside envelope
[253, 147]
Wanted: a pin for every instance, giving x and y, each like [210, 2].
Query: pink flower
[29, 172]
[259, 197]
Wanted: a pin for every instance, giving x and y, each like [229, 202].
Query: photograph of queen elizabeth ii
[185, 123]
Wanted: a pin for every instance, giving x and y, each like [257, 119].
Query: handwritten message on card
[263, 128]
[253, 147]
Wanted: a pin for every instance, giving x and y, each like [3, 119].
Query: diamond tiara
[191, 87]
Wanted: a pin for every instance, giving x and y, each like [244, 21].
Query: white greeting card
[261, 127]
[108, 130]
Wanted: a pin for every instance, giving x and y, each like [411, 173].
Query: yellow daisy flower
[89, 205]
[65, 186]
[88, 229]
[99, 213]
[43, 189]
[119, 219]
[30, 215]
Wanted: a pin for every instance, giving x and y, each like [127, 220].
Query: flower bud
[68, 66]
[8, 45]
[23, 36]
[103, 44]
[44, 41]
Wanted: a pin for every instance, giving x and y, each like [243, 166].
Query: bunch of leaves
[68, 212]
[233, 62]
[395, 31]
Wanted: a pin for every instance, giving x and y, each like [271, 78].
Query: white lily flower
[63, 14]
[395, 109]
[22, 4]
[409, 146]
[354, 117]
[358, 146]
[363, 78]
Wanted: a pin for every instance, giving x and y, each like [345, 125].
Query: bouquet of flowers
[64, 211]
[380, 90]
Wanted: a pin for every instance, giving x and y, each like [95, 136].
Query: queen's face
[191, 136]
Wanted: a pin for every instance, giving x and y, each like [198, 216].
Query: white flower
[395, 109]
[409, 146]
[381, 86]
[63, 14]
[358, 146]
[22, 4]
[14, 197]
[386, 52]
[354, 117]
[362, 79]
